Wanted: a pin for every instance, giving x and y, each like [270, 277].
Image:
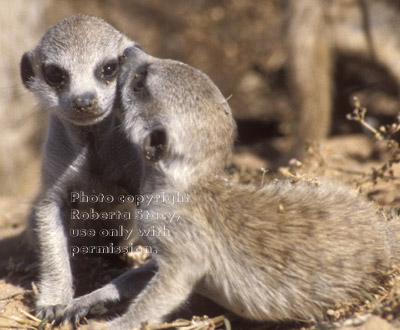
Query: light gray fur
[85, 148]
[284, 251]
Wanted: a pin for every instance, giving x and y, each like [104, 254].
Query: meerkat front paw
[51, 313]
[51, 302]
[78, 309]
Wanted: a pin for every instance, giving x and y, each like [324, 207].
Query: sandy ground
[350, 159]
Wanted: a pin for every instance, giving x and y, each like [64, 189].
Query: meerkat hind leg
[165, 292]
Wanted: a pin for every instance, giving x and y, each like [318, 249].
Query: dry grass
[29, 321]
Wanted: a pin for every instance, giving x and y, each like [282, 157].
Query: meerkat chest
[100, 210]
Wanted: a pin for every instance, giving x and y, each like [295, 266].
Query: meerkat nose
[85, 103]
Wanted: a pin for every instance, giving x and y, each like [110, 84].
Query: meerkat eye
[54, 75]
[110, 69]
[139, 79]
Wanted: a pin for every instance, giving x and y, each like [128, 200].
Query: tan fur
[285, 251]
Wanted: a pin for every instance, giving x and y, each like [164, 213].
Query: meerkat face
[73, 69]
[174, 112]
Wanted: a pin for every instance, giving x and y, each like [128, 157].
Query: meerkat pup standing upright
[274, 253]
[73, 72]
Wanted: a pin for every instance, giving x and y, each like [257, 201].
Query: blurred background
[240, 44]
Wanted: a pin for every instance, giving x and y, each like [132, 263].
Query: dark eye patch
[54, 75]
[108, 71]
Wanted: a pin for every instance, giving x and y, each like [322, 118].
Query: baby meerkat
[73, 72]
[281, 252]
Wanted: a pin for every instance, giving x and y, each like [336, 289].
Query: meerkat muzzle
[86, 104]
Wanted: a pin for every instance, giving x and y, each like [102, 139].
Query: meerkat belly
[240, 292]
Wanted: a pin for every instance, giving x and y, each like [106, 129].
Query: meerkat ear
[26, 67]
[155, 144]
[130, 51]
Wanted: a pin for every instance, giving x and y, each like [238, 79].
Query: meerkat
[318, 31]
[281, 252]
[72, 72]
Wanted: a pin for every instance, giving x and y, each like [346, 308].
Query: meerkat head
[175, 114]
[74, 67]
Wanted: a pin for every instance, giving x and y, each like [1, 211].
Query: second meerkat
[276, 253]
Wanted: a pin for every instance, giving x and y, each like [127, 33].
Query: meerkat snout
[85, 103]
